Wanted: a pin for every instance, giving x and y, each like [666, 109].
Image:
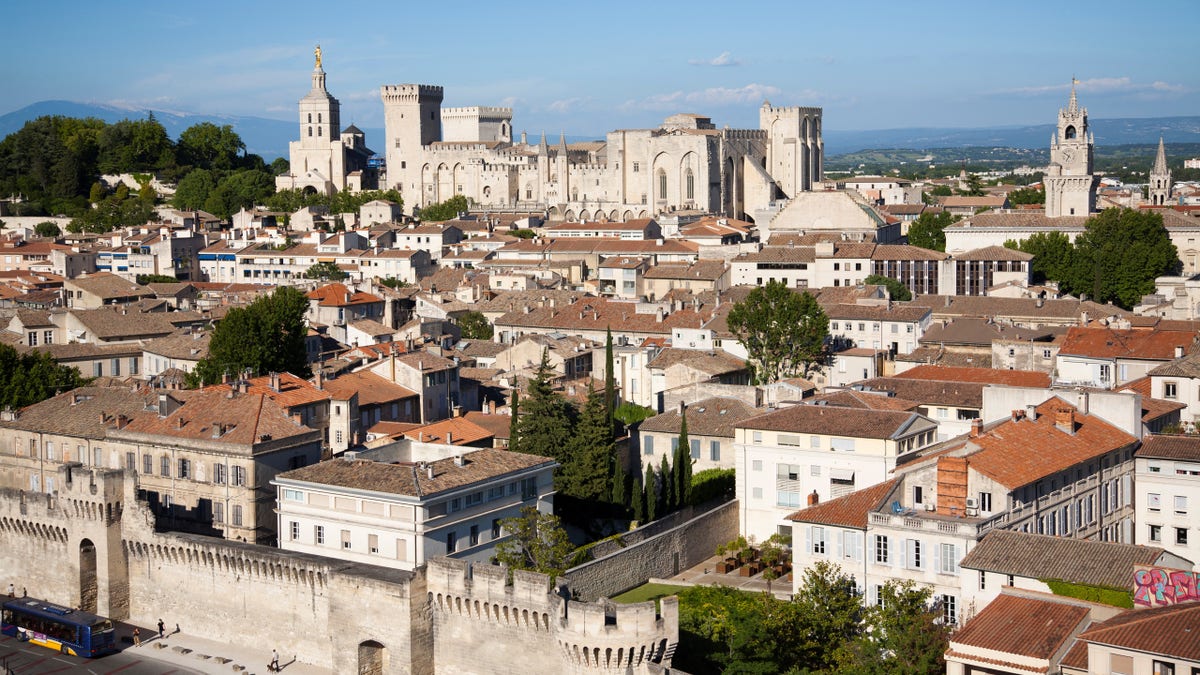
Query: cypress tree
[513, 428]
[639, 498]
[610, 382]
[667, 495]
[546, 425]
[587, 471]
[651, 498]
[620, 495]
[683, 462]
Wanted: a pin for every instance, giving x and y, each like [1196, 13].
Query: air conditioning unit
[972, 511]
[972, 503]
[930, 506]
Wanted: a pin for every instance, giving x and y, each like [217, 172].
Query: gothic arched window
[310, 118]
[690, 181]
[662, 184]
[1069, 132]
[318, 129]
[310, 131]
[318, 118]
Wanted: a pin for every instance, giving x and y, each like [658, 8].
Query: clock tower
[1069, 182]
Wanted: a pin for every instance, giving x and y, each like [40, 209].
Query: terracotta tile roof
[1188, 366]
[1076, 657]
[897, 312]
[79, 412]
[906, 252]
[109, 323]
[1015, 378]
[601, 313]
[1029, 627]
[1022, 220]
[711, 363]
[1014, 453]
[848, 422]
[106, 285]
[293, 390]
[87, 350]
[426, 362]
[904, 209]
[849, 510]
[31, 318]
[780, 254]
[622, 262]
[929, 392]
[497, 425]
[1169, 631]
[995, 253]
[1040, 556]
[461, 430]
[709, 417]
[958, 201]
[212, 416]
[409, 480]
[1153, 409]
[337, 295]
[372, 389]
[850, 398]
[1137, 344]
[182, 345]
[985, 307]
[705, 270]
[943, 357]
[1158, 446]
[979, 332]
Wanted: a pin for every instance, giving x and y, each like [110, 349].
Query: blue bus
[70, 631]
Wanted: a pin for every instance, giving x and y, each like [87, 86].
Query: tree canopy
[266, 336]
[784, 332]
[1027, 196]
[1053, 255]
[896, 290]
[326, 271]
[28, 378]
[475, 326]
[927, 231]
[1119, 254]
[546, 418]
[535, 541]
[446, 210]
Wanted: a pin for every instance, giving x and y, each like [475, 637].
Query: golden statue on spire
[317, 53]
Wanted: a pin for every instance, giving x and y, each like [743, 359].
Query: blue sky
[587, 68]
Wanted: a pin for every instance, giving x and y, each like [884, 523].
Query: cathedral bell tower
[319, 112]
[1069, 182]
[1160, 178]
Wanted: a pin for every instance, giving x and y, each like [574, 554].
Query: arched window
[310, 118]
[318, 118]
[310, 131]
[1069, 133]
[690, 180]
[662, 184]
[318, 128]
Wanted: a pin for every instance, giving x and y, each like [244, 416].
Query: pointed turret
[1160, 160]
[562, 140]
[1073, 105]
[543, 148]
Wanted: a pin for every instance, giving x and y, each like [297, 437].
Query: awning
[842, 474]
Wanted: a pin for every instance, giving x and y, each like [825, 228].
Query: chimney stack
[1031, 412]
[814, 498]
[976, 427]
[1179, 351]
[1064, 420]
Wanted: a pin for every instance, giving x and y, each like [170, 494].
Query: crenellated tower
[1069, 181]
[795, 150]
[412, 119]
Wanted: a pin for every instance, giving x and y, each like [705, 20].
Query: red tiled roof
[1172, 631]
[460, 430]
[337, 295]
[1016, 378]
[1138, 344]
[848, 511]
[1028, 627]
[1152, 408]
[1186, 448]
[293, 391]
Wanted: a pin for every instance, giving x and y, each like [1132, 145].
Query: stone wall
[662, 555]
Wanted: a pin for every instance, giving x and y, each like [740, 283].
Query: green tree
[586, 473]
[941, 191]
[783, 332]
[536, 541]
[143, 279]
[392, 282]
[280, 166]
[193, 189]
[1027, 196]
[638, 495]
[904, 634]
[974, 187]
[610, 382]
[33, 376]
[475, 326]
[928, 230]
[544, 427]
[666, 481]
[708, 617]
[47, 229]
[896, 290]
[651, 497]
[682, 469]
[209, 146]
[618, 484]
[446, 210]
[325, 271]
[833, 613]
[266, 336]
[1119, 254]
[1053, 255]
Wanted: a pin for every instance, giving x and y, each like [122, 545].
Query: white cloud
[1099, 85]
[716, 96]
[722, 59]
[565, 105]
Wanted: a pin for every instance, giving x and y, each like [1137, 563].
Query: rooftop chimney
[1031, 412]
[429, 471]
[976, 427]
[1179, 351]
[460, 460]
[814, 498]
[449, 438]
[1064, 420]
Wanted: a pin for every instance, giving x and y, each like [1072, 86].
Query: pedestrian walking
[137, 637]
[176, 628]
[161, 627]
[274, 667]
[12, 590]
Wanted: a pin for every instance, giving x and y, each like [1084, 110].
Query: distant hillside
[270, 137]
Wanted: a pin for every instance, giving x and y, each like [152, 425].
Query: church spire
[318, 74]
[1160, 160]
[1073, 106]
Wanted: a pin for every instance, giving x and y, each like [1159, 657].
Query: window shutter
[808, 539]
[937, 550]
[874, 553]
[838, 544]
[858, 547]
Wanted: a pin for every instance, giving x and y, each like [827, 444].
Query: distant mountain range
[270, 137]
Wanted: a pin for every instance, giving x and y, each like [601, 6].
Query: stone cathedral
[1069, 181]
[434, 153]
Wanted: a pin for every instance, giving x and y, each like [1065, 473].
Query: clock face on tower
[1068, 155]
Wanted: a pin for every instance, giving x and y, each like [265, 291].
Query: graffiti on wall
[1158, 586]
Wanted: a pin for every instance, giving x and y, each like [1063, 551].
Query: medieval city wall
[659, 556]
[527, 625]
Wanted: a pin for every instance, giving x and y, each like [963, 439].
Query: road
[23, 658]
